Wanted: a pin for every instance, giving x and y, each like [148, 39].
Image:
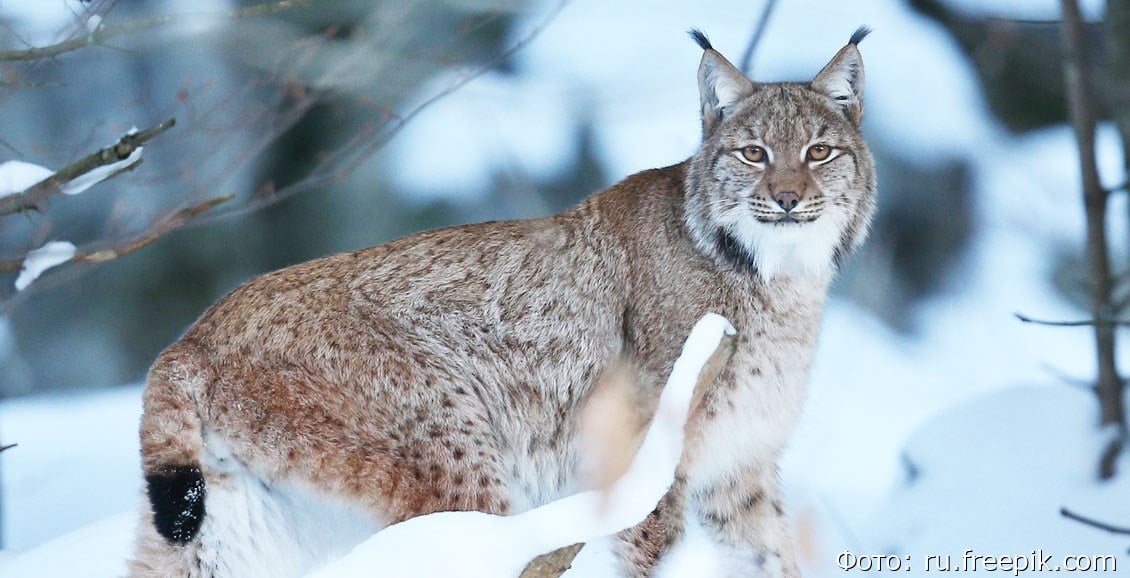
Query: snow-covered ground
[957, 438]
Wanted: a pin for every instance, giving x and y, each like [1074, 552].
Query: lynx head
[783, 184]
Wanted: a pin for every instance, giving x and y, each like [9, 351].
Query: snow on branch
[86, 172]
[49, 255]
[157, 230]
[481, 545]
[99, 34]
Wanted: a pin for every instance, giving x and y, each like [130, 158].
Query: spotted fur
[446, 370]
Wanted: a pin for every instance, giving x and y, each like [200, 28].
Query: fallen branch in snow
[553, 564]
[1084, 323]
[1093, 523]
[55, 184]
[102, 33]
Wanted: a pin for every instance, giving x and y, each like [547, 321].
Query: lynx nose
[787, 200]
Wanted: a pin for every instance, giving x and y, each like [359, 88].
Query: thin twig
[1083, 323]
[37, 193]
[352, 156]
[103, 33]
[1093, 523]
[7, 447]
[160, 229]
[758, 32]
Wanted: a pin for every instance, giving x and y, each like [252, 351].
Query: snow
[83, 182]
[1039, 457]
[18, 176]
[77, 462]
[480, 545]
[39, 260]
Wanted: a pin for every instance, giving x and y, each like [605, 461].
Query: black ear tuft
[859, 34]
[176, 494]
[700, 38]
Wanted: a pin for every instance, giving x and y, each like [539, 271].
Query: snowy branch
[103, 33]
[1093, 523]
[55, 184]
[156, 231]
[1083, 323]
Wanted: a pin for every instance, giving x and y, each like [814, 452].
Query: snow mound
[992, 475]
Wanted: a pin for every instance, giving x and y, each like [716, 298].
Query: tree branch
[160, 229]
[1083, 323]
[32, 197]
[7, 447]
[1081, 108]
[351, 156]
[1093, 523]
[103, 33]
[758, 32]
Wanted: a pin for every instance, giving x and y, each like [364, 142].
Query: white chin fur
[792, 250]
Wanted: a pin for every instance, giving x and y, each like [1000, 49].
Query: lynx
[445, 371]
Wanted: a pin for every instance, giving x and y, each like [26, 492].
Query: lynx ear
[842, 78]
[720, 84]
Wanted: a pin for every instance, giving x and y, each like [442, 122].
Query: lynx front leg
[746, 520]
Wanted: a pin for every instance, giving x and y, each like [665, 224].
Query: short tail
[172, 443]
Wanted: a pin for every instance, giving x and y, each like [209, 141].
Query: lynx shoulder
[446, 371]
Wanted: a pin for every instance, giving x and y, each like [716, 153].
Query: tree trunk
[1109, 387]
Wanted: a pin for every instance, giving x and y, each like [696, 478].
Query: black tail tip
[859, 34]
[700, 38]
[176, 494]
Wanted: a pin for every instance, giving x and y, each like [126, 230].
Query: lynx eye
[753, 154]
[819, 152]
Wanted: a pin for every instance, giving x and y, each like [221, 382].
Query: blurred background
[937, 420]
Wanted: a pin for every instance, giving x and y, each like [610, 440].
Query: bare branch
[1107, 461]
[1093, 523]
[31, 198]
[758, 32]
[1083, 323]
[158, 230]
[103, 33]
[370, 140]
[7, 447]
[1081, 108]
